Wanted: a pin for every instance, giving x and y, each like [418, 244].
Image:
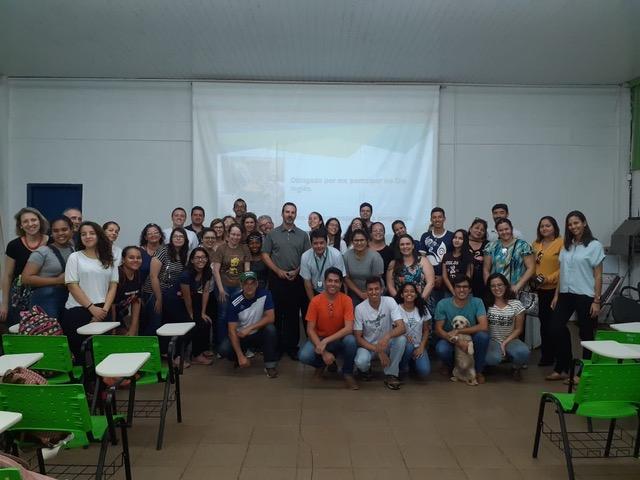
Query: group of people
[247, 284]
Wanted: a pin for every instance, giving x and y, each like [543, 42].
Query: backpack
[37, 322]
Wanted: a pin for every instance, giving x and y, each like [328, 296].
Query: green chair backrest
[10, 474]
[47, 407]
[57, 356]
[621, 337]
[104, 345]
[606, 382]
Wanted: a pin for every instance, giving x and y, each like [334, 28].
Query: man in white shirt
[317, 260]
[498, 211]
[379, 331]
[178, 217]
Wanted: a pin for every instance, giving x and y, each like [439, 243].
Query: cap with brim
[244, 276]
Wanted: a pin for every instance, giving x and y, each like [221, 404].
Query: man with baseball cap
[250, 317]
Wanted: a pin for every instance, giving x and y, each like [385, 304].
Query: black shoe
[392, 382]
[333, 368]
[366, 376]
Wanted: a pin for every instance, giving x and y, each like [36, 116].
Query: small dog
[464, 369]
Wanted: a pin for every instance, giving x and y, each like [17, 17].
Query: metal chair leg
[41, 466]
[566, 444]
[104, 446]
[636, 448]
[163, 413]
[536, 442]
[125, 451]
[612, 428]
[178, 398]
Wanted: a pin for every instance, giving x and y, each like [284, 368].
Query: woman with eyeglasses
[356, 224]
[477, 243]
[194, 288]
[361, 263]
[505, 316]
[547, 247]
[379, 245]
[150, 240]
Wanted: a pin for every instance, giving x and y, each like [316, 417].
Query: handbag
[20, 294]
[529, 301]
[37, 322]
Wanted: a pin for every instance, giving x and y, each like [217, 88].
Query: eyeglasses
[200, 257]
[496, 287]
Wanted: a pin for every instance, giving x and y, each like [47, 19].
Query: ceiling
[541, 42]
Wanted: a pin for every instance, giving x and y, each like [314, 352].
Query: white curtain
[326, 148]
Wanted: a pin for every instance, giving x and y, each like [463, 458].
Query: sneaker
[392, 382]
[481, 379]
[517, 374]
[366, 376]
[351, 382]
[271, 372]
[249, 353]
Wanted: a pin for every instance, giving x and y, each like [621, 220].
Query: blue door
[54, 198]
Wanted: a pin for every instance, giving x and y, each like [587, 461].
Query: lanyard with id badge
[319, 282]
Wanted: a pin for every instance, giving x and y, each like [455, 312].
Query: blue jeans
[346, 347]
[50, 299]
[395, 352]
[516, 349]
[445, 352]
[221, 318]
[421, 365]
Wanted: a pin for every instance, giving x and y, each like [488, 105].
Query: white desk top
[8, 420]
[122, 364]
[97, 328]
[14, 360]
[612, 349]
[14, 328]
[175, 329]
[631, 327]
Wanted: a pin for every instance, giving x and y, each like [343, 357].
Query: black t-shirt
[455, 266]
[19, 253]
[128, 291]
[387, 255]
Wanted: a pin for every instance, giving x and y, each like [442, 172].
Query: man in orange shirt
[330, 329]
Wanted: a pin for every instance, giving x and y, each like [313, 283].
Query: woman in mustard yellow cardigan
[547, 250]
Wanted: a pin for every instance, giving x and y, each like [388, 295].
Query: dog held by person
[464, 367]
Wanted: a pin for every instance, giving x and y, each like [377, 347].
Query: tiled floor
[240, 424]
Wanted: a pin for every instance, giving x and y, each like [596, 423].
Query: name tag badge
[319, 283]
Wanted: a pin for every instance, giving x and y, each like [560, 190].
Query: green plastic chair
[57, 356]
[64, 408]
[152, 372]
[620, 337]
[10, 474]
[606, 391]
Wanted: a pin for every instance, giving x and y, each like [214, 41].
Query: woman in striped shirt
[505, 315]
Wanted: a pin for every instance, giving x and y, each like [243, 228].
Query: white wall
[128, 143]
[5, 233]
[542, 150]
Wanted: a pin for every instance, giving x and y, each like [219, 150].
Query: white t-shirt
[414, 324]
[373, 323]
[91, 276]
[117, 255]
[502, 321]
[191, 236]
